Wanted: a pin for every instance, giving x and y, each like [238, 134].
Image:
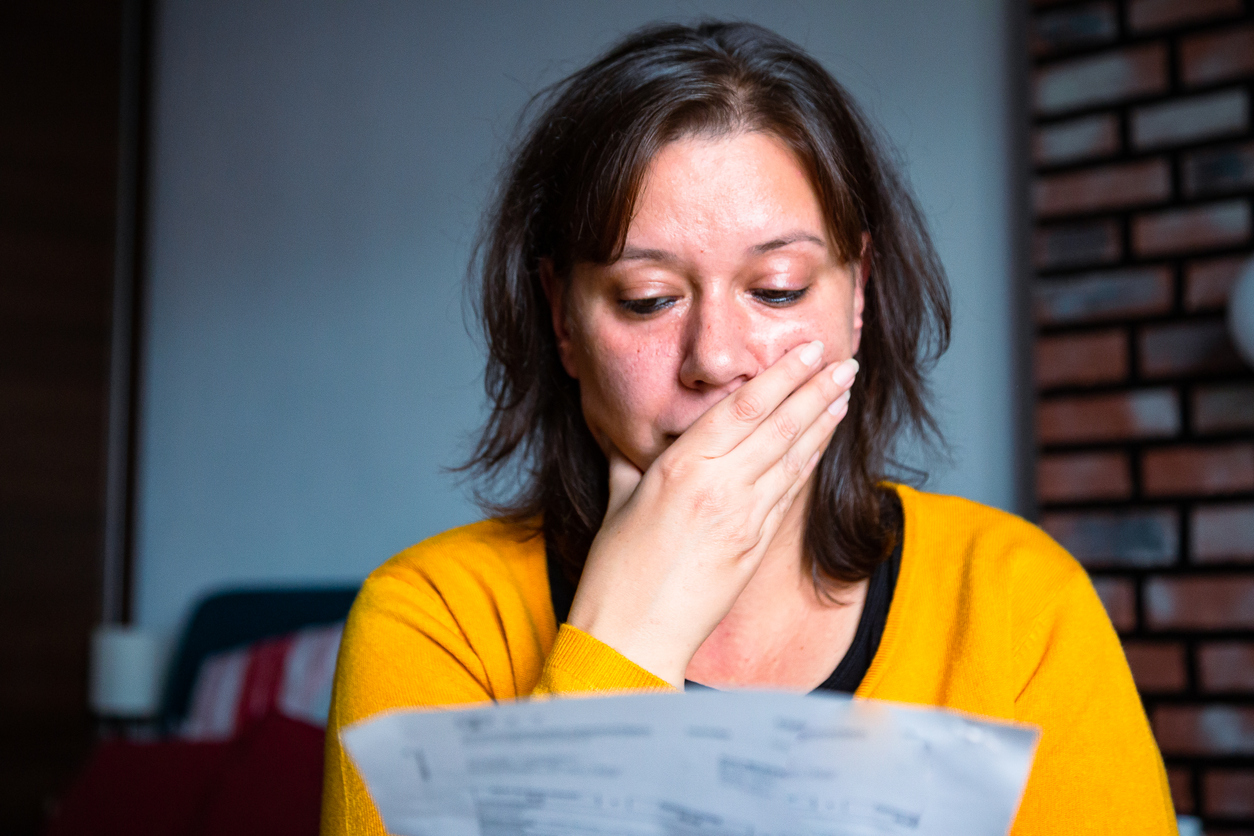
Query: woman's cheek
[620, 390]
[779, 337]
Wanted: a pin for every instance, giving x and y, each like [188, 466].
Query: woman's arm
[462, 618]
[1097, 768]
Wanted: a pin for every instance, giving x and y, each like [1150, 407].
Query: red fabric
[141, 789]
[273, 785]
[268, 780]
[263, 679]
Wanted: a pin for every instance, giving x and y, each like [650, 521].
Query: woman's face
[727, 266]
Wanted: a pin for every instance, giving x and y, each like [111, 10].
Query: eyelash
[655, 304]
[646, 306]
[779, 298]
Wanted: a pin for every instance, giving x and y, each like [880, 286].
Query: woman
[691, 246]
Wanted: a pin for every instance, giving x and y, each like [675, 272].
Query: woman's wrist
[649, 647]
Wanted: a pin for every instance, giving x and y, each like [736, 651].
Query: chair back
[231, 618]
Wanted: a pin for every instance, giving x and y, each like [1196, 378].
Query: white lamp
[1241, 313]
[125, 672]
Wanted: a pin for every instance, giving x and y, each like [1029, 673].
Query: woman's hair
[567, 195]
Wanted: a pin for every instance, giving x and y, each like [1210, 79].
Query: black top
[866, 639]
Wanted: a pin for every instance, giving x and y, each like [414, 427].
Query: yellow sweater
[989, 616]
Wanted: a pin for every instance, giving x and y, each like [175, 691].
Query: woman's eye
[779, 297]
[649, 305]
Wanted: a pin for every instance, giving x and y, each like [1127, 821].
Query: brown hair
[567, 195]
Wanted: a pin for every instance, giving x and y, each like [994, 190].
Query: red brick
[1097, 79]
[1229, 792]
[1075, 245]
[1107, 187]
[1187, 348]
[1138, 291]
[1226, 666]
[1209, 602]
[1148, 413]
[1217, 56]
[1137, 538]
[1196, 228]
[1208, 283]
[1226, 408]
[1205, 730]
[1119, 599]
[1212, 171]
[1100, 357]
[1191, 119]
[1076, 139]
[1156, 666]
[1145, 15]
[1198, 470]
[1077, 476]
[1092, 23]
[1181, 782]
[1222, 533]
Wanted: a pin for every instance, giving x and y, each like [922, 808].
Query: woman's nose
[717, 350]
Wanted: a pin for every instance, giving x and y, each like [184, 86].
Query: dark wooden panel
[59, 87]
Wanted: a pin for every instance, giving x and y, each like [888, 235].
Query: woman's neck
[781, 632]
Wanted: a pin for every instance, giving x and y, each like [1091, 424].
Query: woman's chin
[643, 456]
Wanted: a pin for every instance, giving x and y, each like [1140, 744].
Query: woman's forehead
[744, 194]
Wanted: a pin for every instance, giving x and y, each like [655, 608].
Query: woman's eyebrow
[667, 257]
[784, 240]
[641, 254]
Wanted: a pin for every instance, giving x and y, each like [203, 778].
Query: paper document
[705, 763]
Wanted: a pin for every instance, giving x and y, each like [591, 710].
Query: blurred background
[233, 238]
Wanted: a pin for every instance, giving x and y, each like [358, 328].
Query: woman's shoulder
[460, 617]
[953, 526]
[980, 548]
[491, 539]
[479, 558]
[979, 594]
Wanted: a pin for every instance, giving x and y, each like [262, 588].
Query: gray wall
[318, 170]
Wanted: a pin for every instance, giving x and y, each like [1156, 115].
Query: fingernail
[845, 372]
[838, 405]
[811, 353]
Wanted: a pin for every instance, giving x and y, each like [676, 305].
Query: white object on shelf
[125, 672]
[1241, 313]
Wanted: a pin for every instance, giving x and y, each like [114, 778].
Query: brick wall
[1144, 173]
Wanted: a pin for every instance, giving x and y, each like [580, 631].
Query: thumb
[624, 476]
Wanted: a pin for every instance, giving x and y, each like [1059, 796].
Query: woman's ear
[555, 293]
[861, 269]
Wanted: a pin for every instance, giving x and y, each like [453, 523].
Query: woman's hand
[680, 541]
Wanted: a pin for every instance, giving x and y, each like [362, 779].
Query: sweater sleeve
[416, 642]
[581, 664]
[1097, 768]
